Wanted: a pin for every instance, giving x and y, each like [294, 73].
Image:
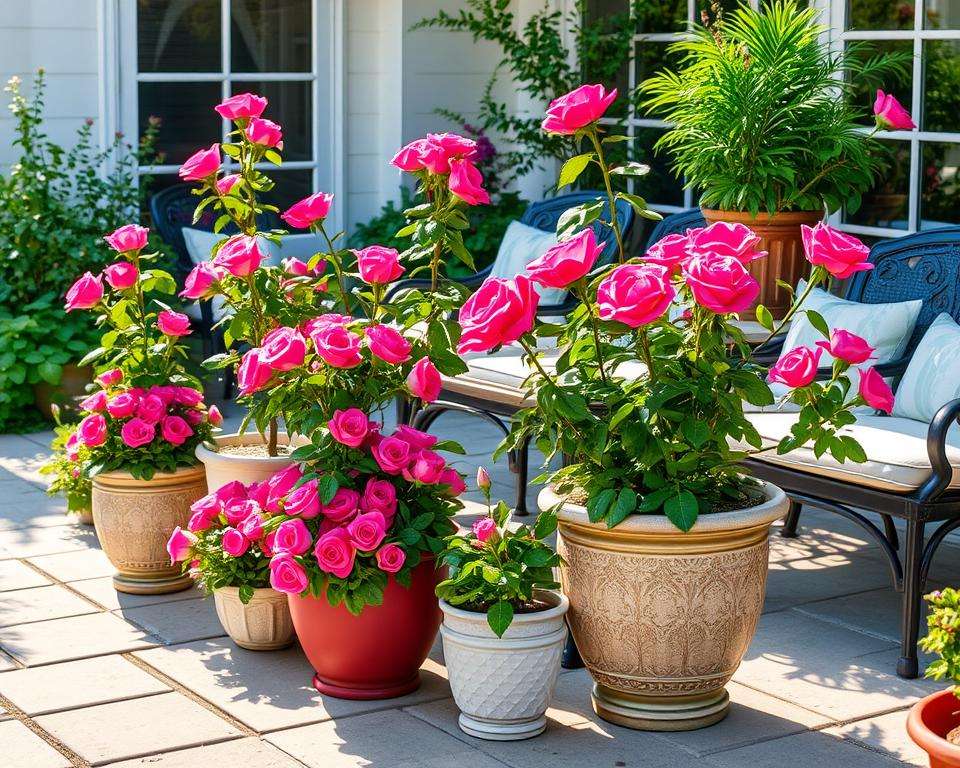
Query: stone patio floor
[89, 677]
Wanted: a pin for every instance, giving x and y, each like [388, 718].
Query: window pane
[178, 37]
[652, 57]
[660, 186]
[188, 121]
[941, 93]
[885, 204]
[666, 16]
[864, 94]
[291, 187]
[880, 14]
[270, 36]
[941, 14]
[289, 105]
[940, 195]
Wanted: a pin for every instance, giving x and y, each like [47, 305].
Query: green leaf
[626, 503]
[572, 169]
[817, 321]
[854, 450]
[696, 432]
[631, 168]
[327, 488]
[681, 509]
[599, 503]
[500, 617]
[245, 593]
[574, 219]
[546, 524]
[49, 372]
[538, 557]
[764, 317]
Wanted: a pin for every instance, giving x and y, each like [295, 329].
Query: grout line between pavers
[20, 716]
[473, 743]
[844, 625]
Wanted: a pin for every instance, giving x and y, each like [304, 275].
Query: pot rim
[125, 478]
[762, 217]
[264, 593]
[206, 454]
[761, 514]
[923, 736]
[561, 603]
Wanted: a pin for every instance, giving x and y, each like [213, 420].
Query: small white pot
[263, 624]
[223, 468]
[504, 685]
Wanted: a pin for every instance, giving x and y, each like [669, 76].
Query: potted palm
[503, 624]
[764, 128]
[664, 541]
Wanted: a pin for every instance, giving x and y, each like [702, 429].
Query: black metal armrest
[941, 470]
[893, 368]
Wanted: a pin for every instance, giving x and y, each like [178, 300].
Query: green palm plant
[762, 115]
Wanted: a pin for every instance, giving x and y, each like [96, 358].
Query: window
[179, 59]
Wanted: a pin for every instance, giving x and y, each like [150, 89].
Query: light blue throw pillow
[521, 245]
[932, 378]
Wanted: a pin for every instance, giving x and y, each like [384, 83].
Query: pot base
[132, 585]
[365, 694]
[278, 646]
[660, 713]
[500, 730]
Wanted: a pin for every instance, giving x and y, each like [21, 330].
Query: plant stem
[611, 198]
[337, 268]
[581, 290]
[815, 278]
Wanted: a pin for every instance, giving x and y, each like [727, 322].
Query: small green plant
[943, 636]
[496, 567]
[66, 468]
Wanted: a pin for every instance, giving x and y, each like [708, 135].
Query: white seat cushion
[896, 448]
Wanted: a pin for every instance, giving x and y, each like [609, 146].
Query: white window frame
[120, 79]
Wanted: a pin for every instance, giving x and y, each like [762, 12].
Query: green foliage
[215, 569]
[763, 119]
[943, 636]
[68, 479]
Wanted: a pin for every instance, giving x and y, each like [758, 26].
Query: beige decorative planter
[263, 624]
[663, 618]
[83, 516]
[223, 468]
[134, 519]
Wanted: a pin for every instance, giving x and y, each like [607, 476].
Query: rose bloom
[417, 439]
[454, 482]
[209, 506]
[202, 164]
[367, 531]
[287, 575]
[337, 346]
[95, 402]
[484, 528]
[408, 158]
[283, 349]
[336, 553]
[378, 264]
[252, 526]
[179, 545]
[466, 182]
[349, 427]
[847, 346]
[283, 480]
[875, 391]
[233, 542]
[198, 522]
[388, 344]
[303, 502]
[111, 377]
[725, 239]
[390, 558]
[199, 283]
[241, 106]
[890, 114]
[85, 293]
[426, 467]
[499, 312]
[264, 132]
[308, 211]
[214, 416]
[566, 262]
[187, 396]
[797, 368]
[252, 373]
[839, 253]
[720, 283]
[173, 323]
[151, 408]
[129, 237]
[137, 433]
[380, 496]
[121, 275]
[424, 381]
[392, 454]
[238, 509]
[92, 431]
[175, 430]
[225, 185]
[240, 255]
[577, 109]
[314, 324]
[292, 536]
[123, 404]
[438, 151]
[635, 294]
[671, 252]
[342, 506]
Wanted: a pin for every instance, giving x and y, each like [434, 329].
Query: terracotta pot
[503, 685]
[663, 618]
[222, 468]
[930, 720]
[72, 387]
[781, 240]
[263, 624]
[84, 516]
[376, 655]
[134, 519]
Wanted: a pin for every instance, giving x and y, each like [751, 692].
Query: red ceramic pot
[930, 720]
[376, 655]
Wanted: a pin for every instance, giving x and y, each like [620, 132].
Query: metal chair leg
[913, 583]
[522, 464]
[789, 530]
[890, 531]
[571, 658]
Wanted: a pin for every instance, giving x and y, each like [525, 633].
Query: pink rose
[566, 262]
[797, 368]
[437, 151]
[724, 239]
[151, 408]
[417, 439]
[378, 264]
[720, 283]
[367, 531]
[875, 391]
[202, 164]
[671, 252]
[635, 294]
[111, 377]
[380, 496]
[199, 522]
[847, 346]
[342, 506]
[123, 404]
[193, 417]
[392, 454]
[225, 185]
[230, 491]
[233, 542]
[349, 427]
[236, 510]
[890, 114]
[388, 344]
[283, 349]
[72, 448]
[264, 132]
[484, 528]
[466, 182]
[240, 255]
[454, 482]
[499, 312]
[252, 373]
[137, 432]
[173, 323]
[308, 211]
[287, 575]
[840, 254]
[95, 402]
[188, 396]
[577, 109]
[252, 526]
[209, 506]
[337, 346]
[121, 275]
[86, 293]
[282, 481]
[314, 324]
[241, 106]
[214, 416]
[199, 284]
[179, 545]
[92, 431]
[295, 267]
[390, 558]
[303, 502]
[292, 536]
[424, 381]
[409, 157]
[336, 553]
[175, 430]
[129, 237]
[425, 467]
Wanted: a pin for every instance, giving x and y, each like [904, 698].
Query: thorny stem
[337, 268]
[614, 222]
[581, 290]
[812, 283]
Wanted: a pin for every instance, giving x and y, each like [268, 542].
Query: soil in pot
[242, 457]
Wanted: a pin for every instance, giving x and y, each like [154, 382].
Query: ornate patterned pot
[134, 519]
[663, 618]
[222, 468]
[263, 624]
[504, 685]
[930, 720]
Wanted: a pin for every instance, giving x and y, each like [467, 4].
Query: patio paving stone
[89, 563]
[886, 734]
[6, 663]
[138, 727]
[32, 508]
[77, 637]
[24, 749]
[247, 753]
[39, 604]
[805, 749]
[101, 591]
[180, 621]
[23, 458]
[17, 575]
[268, 692]
[29, 542]
[56, 687]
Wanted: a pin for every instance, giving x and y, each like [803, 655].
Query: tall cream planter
[663, 618]
[263, 624]
[134, 519]
[223, 468]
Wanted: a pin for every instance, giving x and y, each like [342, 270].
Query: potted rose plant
[664, 540]
[66, 467]
[767, 133]
[934, 722]
[503, 623]
[144, 420]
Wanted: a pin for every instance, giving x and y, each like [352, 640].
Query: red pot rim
[925, 737]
